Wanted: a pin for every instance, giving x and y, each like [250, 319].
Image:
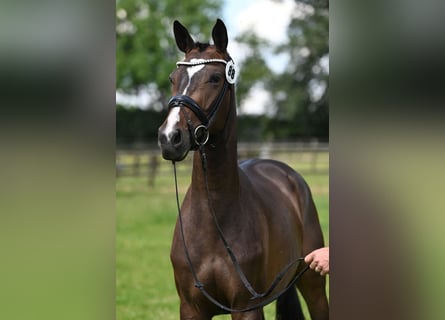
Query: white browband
[230, 66]
[196, 62]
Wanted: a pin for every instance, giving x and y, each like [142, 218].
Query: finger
[308, 259]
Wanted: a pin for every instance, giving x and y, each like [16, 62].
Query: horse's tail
[288, 306]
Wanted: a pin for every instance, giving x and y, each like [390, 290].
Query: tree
[145, 47]
[300, 93]
[136, 125]
[254, 69]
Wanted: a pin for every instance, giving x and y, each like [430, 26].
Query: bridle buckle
[201, 135]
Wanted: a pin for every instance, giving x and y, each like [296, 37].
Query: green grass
[145, 221]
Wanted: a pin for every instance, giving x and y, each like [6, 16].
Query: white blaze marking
[172, 120]
[173, 117]
[191, 71]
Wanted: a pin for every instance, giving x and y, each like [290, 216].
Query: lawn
[145, 220]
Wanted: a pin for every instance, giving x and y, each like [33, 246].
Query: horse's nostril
[162, 138]
[176, 138]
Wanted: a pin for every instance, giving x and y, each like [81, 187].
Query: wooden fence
[307, 158]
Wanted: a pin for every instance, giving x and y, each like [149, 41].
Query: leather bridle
[199, 134]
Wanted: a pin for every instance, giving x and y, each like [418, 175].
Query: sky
[269, 20]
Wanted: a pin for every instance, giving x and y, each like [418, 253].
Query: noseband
[200, 133]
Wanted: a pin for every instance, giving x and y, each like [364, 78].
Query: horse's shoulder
[268, 170]
[257, 162]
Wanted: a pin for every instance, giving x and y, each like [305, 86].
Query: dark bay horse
[262, 209]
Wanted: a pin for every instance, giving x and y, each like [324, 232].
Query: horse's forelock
[202, 46]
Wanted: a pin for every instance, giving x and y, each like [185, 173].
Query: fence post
[137, 165]
[314, 153]
[153, 165]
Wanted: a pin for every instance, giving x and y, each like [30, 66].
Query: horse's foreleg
[189, 312]
[257, 314]
[312, 287]
[288, 306]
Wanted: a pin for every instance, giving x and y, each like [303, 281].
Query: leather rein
[200, 136]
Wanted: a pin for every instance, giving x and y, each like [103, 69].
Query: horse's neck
[222, 169]
[222, 172]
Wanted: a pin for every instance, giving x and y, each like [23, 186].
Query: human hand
[318, 260]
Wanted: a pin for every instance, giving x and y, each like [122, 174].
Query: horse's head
[200, 86]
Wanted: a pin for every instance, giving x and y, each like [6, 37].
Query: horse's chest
[213, 268]
[205, 262]
[210, 270]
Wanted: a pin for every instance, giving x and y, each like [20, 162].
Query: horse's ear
[219, 34]
[183, 39]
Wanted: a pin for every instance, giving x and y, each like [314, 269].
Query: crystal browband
[196, 62]
[230, 66]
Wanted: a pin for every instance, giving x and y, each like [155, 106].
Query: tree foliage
[254, 68]
[146, 49]
[136, 125]
[300, 93]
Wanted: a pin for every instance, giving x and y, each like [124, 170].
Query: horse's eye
[215, 78]
[171, 77]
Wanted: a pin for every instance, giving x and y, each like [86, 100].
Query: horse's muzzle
[174, 144]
